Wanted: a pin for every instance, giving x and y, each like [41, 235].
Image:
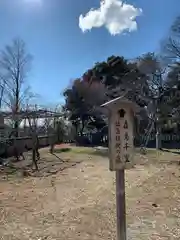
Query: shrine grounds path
[73, 197]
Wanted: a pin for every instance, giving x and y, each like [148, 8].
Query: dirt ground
[75, 199]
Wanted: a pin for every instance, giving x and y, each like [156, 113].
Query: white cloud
[115, 15]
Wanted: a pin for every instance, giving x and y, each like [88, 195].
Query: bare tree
[15, 64]
[14, 67]
[171, 45]
[32, 117]
[52, 125]
[152, 65]
[2, 89]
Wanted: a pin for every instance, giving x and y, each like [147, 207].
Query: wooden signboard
[121, 139]
[120, 125]
[121, 150]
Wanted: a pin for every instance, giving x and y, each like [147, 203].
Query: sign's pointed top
[121, 100]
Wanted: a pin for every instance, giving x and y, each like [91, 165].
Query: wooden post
[121, 150]
[121, 205]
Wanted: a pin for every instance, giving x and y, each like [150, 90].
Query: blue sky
[62, 51]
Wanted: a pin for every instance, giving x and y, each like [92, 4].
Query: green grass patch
[82, 150]
[62, 150]
[104, 152]
[148, 151]
[85, 150]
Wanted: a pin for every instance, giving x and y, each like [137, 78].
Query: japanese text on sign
[118, 141]
[126, 143]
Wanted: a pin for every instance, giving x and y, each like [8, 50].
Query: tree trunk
[16, 124]
[52, 144]
[82, 128]
[37, 149]
[35, 152]
[52, 148]
[15, 142]
[34, 159]
[158, 140]
[158, 136]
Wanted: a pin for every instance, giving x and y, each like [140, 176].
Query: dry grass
[78, 201]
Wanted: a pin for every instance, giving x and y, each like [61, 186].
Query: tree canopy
[147, 80]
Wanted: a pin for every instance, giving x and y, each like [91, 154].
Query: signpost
[121, 150]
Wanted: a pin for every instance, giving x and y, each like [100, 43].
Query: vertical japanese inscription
[118, 140]
[126, 142]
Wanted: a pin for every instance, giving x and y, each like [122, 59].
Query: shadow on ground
[177, 151]
[49, 164]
